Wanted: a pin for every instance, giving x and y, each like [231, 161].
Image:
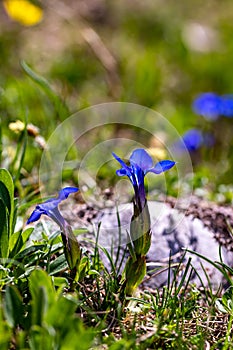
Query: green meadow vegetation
[57, 58]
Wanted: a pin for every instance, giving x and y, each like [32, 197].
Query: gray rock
[172, 233]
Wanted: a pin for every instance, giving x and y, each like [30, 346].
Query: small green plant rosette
[134, 273]
[140, 232]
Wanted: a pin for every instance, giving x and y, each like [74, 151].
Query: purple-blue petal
[36, 214]
[49, 206]
[52, 203]
[141, 158]
[65, 192]
[162, 166]
[122, 172]
[126, 170]
[139, 173]
[122, 163]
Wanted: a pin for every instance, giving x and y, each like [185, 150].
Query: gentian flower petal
[121, 172]
[50, 204]
[65, 192]
[140, 164]
[50, 207]
[162, 166]
[36, 214]
[141, 158]
[122, 163]
[126, 168]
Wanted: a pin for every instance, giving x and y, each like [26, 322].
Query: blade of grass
[121, 261]
[23, 141]
[96, 249]
[184, 276]
[59, 106]
[110, 260]
[119, 237]
[214, 263]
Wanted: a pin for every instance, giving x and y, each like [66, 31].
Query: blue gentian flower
[193, 139]
[227, 106]
[209, 105]
[72, 249]
[50, 208]
[141, 164]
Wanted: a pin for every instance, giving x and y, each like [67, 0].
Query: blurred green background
[159, 54]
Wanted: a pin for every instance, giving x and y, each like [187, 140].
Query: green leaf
[39, 306]
[7, 181]
[7, 195]
[78, 337]
[58, 265]
[59, 319]
[18, 240]
[227, 299]
[225, 304]
[122, 344]
[29, 251]
[134, 273]
[14, 214]
[43, 294]
[4, 231]
[12, 306]
[5, 331]
[72, 248]
[60, 282]
[130, 247]
[41, 338]
[84, 267]
[4, 195]
[54, 235]
[219, 305]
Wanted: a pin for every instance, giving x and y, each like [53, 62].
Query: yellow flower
[23, 11]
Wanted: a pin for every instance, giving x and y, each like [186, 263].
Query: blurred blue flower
[209, 105]
[193, 139]
[227, 106]
[50, 208]
[141, 164]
